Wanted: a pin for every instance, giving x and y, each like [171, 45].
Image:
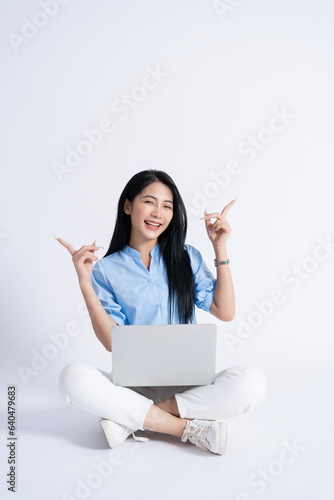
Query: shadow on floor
[75, 425]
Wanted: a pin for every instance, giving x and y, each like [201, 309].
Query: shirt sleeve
[205, 283]
[106, 295]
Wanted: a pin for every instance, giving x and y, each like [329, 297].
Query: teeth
[152, 224]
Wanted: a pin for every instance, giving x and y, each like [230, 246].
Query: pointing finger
[67, 245]
[228, 207]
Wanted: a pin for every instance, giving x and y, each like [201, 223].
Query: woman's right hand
[82, 259]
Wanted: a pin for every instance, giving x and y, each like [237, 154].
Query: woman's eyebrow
[150, 196]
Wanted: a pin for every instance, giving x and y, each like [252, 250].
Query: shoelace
[194, 434]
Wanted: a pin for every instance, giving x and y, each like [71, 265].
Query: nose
[156, 211]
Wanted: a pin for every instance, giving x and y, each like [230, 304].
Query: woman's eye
[167, 206]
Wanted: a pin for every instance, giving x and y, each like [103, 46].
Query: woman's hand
[82, 259]
[220, 230]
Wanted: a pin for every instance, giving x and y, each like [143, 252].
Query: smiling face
[151, 212]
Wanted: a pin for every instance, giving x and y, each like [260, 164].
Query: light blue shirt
[132, 295]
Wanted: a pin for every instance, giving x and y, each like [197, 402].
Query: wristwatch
[221, 262]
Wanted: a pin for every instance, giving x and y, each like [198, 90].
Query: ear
[127, 206]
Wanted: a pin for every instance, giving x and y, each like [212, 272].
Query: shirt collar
[135, 254]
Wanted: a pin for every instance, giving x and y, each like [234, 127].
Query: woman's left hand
[220, 230]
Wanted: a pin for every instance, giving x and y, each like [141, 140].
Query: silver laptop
[162, 355]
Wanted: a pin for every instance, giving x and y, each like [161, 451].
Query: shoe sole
[222, 438]
[105, 427]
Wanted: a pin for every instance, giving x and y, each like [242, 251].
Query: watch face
[221, 262]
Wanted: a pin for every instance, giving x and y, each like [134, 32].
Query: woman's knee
[249, 380]
[255, 382]
[70, 377]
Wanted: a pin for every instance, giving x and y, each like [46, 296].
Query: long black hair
[181, 283]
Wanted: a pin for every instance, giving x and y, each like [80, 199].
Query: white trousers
[234, 391]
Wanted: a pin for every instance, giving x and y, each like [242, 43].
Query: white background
[227, 73]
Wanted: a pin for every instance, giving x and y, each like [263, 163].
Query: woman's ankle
[169, 405]
[158, 420]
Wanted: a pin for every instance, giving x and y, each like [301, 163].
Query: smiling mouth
[154, 224]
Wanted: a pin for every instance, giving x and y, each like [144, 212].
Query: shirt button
[150, 281]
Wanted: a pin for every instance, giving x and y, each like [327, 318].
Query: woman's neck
[144, 248]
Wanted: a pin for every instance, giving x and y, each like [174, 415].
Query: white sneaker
[209, 435]
[117, 433]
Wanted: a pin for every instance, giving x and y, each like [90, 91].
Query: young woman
[150, 276]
